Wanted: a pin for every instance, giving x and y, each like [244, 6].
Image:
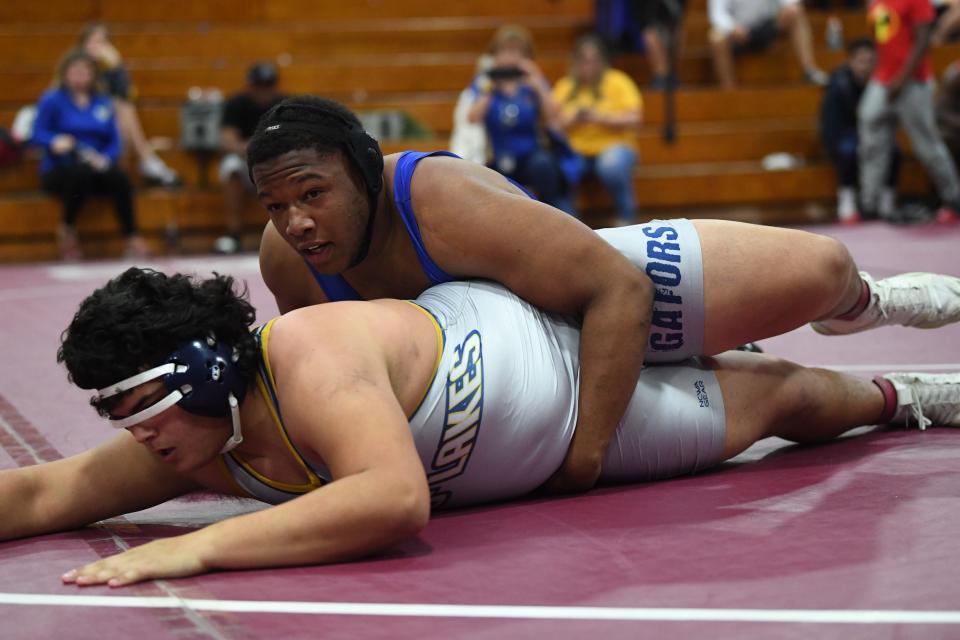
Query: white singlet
[500, 414]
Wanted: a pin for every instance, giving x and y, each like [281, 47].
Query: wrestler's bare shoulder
[384, 321]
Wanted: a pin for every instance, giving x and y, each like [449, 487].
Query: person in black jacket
[838, 129]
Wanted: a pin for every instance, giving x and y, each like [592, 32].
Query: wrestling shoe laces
[925, 399]
[923, 300]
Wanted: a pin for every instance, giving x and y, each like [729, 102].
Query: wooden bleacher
[414, 56]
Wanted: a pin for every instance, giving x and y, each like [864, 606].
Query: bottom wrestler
[356, 418]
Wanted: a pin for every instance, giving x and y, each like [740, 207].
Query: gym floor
[856, 539]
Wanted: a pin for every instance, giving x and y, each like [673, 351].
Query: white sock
[888, 202]
[846, 203]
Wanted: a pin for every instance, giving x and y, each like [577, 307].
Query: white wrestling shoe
[156, 170]
[925, 399]
[923, 300]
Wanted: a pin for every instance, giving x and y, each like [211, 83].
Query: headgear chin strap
[202, 378]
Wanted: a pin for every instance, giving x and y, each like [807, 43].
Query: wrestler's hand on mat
[166, 558]
[579, 472]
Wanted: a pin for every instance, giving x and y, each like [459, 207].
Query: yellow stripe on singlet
[436, 365]
[313, 480]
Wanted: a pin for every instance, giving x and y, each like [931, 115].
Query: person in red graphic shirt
[901, 90]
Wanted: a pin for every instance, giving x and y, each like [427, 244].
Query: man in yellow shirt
[601, 109]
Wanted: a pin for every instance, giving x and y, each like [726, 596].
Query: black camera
[505, 73]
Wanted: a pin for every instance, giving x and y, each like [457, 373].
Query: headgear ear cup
[366, 153]
[201, 377]
[375, 158]
[210, 377]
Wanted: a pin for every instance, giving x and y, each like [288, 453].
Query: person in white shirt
[751, 25]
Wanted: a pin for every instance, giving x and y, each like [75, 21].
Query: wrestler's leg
[766, 396]
[720, 284]
[762, 281]
[689, 417]
[692, 416]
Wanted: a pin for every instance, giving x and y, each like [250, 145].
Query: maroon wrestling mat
[857, 539]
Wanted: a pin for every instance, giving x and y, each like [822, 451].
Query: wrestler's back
[498, 419]
[500, 413]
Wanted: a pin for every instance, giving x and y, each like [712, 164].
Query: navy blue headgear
[211, 376]
[202, 378]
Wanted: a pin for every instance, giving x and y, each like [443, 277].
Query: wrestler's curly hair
[136, 320]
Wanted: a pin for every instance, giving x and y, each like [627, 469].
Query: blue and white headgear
[202, 378]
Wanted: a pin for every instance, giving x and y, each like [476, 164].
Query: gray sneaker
[925, 399]
[923, 300]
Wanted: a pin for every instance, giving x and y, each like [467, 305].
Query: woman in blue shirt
[512, 100]
[77, 128]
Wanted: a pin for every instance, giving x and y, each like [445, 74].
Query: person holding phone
[513, 101]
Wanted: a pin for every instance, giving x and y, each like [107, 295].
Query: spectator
[514, 102]
[77, 128]
[600, 110]
[95, 40]
[838, 130]
[241, 113]
[947, 22]
[661, 20]
[621, 23]
[901, 90]
[469, 139]
[751, 25]
[948, 110]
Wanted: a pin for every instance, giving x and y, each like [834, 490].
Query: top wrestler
[347, 224]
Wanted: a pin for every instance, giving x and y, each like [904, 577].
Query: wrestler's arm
[117, 477]
[336, 398]
[475, 224]
[286, 274]
[349, 413]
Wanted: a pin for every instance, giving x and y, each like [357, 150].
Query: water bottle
[834, 34]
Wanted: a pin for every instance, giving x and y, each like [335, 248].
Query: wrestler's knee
[830, 267]
[794, 401]
[789, 398]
